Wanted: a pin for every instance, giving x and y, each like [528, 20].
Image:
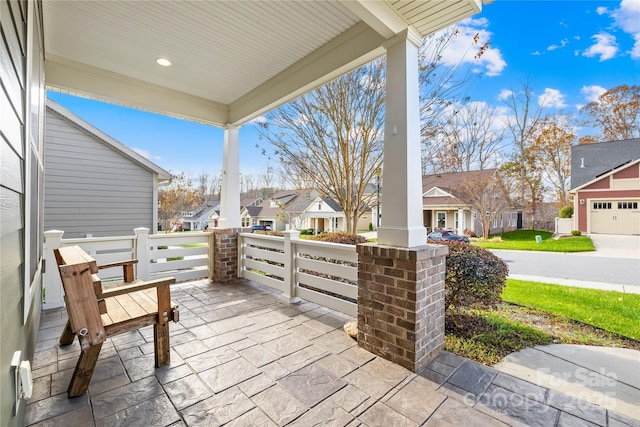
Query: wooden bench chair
[97, 312]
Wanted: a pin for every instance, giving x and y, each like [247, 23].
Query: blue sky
[570, 51]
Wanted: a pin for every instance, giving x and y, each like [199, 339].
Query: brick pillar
[225, 254]
[401, 302]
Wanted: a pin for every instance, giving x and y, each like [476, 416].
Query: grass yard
[539, 314]
[613, 311]
[525, 240]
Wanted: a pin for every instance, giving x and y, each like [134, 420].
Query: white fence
[564, 225]
[320, 272]
[185, 256]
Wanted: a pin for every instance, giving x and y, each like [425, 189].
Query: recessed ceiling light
[163, 61]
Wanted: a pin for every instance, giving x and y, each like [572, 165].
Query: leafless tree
[332, 137]
[522, 123]
[487, 196]
[468, 138]
[203, 183]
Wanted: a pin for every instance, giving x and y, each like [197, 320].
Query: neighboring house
[590, 161]
[198, 218]
[444, 206]
[295, 210]
[605, 187]
[609, 203]
[94, 185]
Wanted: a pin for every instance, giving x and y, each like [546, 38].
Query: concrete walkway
[603, 376]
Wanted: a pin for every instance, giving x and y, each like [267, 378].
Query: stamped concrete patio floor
[241, 357]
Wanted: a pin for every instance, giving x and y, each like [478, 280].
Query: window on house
[601, 205]
[442, 219]
[455, 220]
[501, 221]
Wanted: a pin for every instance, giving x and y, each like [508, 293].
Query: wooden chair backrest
[76, 269]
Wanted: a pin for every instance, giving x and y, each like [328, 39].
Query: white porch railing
[320, 272]
[185, 256]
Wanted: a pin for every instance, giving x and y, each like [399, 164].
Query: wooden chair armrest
[118, 264]
[126, 289]
[127, 269]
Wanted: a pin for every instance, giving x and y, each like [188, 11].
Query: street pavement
[614, 265]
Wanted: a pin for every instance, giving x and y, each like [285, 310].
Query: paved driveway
[614, 246]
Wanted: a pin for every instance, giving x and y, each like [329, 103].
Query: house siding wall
[14, 169]
[91, 188]
[630, 172]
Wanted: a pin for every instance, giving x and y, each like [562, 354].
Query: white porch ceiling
[232, 60]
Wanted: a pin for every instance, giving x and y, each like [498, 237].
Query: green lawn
[613, 311]
[525, 240]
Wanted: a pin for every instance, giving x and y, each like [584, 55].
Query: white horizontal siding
[90, 188]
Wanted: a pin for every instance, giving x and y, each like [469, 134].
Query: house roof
[447, 184]
[231, 60]
[125, 151]
[606, 174]
[589, 161]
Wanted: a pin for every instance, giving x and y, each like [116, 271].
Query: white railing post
[289, 295]
[211, 265]
[142, 252]
[54, 294]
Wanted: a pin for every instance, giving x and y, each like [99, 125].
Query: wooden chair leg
[67, 334]
[84, 370]
[161, 340]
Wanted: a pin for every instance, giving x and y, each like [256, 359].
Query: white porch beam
[379, 15]
[353, 48]
[402, 175]
[230, 194]
[83, 80]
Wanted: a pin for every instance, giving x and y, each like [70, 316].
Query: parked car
[446, 235]
[260, 227]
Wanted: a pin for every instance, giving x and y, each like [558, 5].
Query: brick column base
[225, 254]
[401, 302]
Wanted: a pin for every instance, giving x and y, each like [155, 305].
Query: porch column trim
[402, 173]
[230, 194]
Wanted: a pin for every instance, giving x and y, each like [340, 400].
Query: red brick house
[609, 203]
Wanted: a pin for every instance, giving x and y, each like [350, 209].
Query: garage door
[615, 216]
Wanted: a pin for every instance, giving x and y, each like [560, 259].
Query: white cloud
[536, 53]
[552, 98]
[627, 17]
[260, 120]
[605, 46]
[601, 10]
[473, 33]
[592, 93]
[562, 44]
[147, 155]
[505, 94]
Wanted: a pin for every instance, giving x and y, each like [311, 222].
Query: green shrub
[576, 232]
[474, 276]
[340, 237]
[370, 227]
[566, 212]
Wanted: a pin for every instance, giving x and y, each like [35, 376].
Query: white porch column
[230, 194]
[402, 176]
[461, 223]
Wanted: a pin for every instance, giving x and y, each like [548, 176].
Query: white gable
[437, 192]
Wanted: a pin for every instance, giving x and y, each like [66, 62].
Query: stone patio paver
[241, 357]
